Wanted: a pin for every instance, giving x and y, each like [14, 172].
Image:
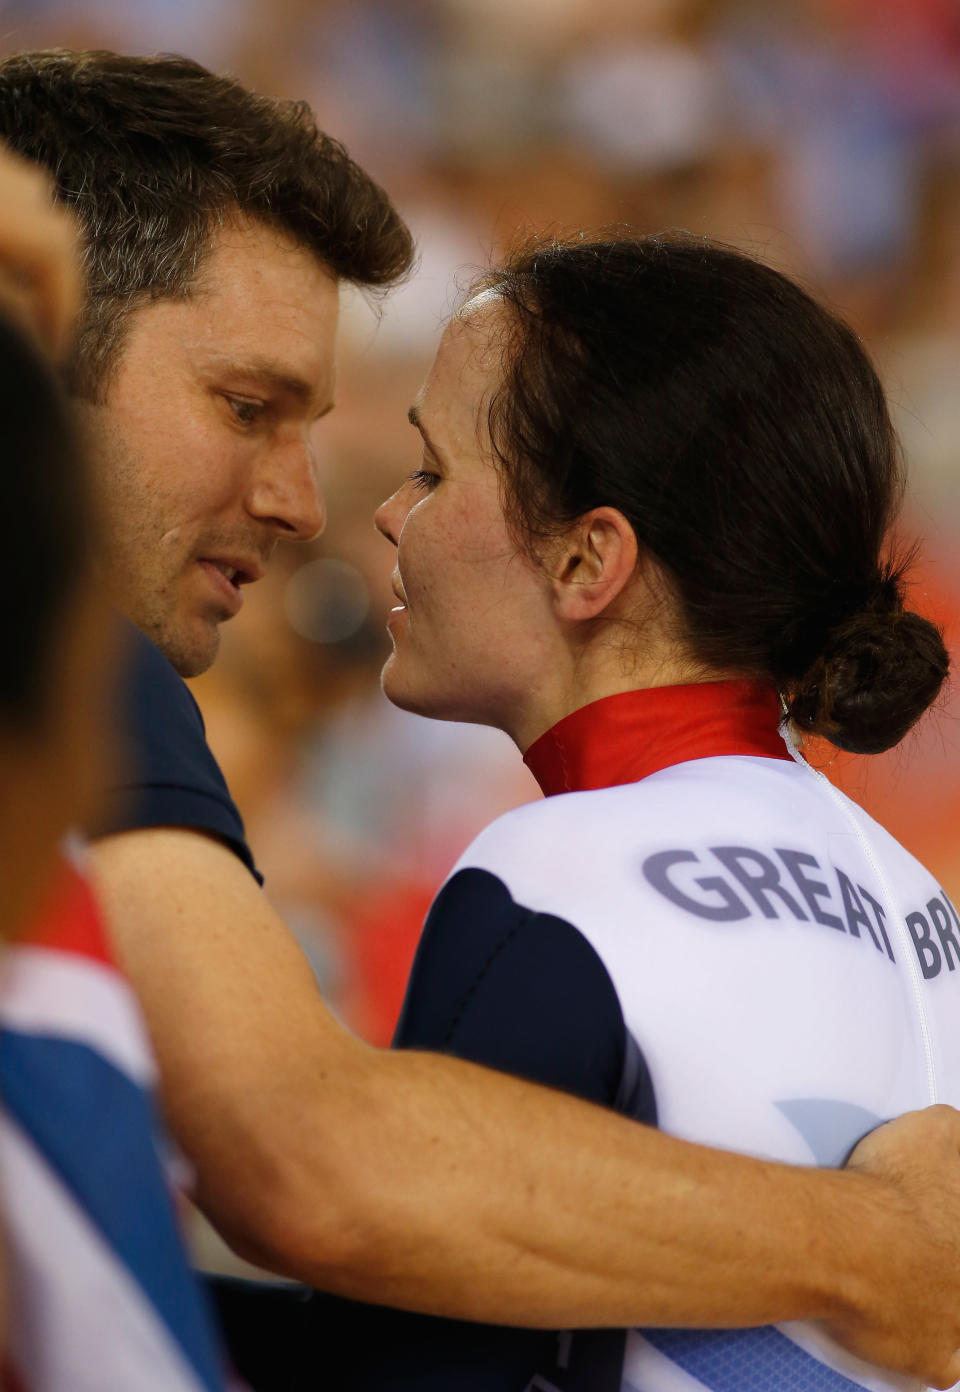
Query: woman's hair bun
[876, 676]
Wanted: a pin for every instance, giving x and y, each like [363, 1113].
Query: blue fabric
[523, 992]
[747, 1360]
[168, 775]
[96, 1129]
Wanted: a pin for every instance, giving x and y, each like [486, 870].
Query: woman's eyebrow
[416, 420]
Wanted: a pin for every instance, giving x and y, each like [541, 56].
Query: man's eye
[246, 412]
[423, 479]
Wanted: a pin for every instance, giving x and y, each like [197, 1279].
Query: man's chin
[190, 648]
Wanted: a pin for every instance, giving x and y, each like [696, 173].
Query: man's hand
[911, 1319]
[40, 279]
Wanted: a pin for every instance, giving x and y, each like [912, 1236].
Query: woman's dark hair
[46, 536]
[151, 152]
[743, 432]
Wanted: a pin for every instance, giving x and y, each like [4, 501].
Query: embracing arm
[425, 1182]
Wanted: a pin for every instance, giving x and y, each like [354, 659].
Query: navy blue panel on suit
[520, 991]
[526, 993]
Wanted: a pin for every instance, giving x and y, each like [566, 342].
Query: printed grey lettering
[656, 869]
[812, 890]
[856, 914]
[948, 942]
[928, 954]
[853, 908]
[949, 903]
[758, 886]
[879, 915]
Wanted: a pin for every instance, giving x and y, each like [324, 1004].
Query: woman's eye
[246, 412]
[423, 479]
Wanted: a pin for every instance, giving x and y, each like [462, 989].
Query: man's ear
[593, 564]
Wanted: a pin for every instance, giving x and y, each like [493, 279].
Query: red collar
[620, 739]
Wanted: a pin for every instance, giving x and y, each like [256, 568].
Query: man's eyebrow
[275, 375]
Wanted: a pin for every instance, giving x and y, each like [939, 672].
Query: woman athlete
[647, 540]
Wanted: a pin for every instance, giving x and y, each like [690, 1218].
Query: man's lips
[226, 574]
[239, 570]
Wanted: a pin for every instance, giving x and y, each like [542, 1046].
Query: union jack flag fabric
[99, 1293]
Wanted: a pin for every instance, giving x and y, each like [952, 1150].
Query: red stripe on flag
[68, 918]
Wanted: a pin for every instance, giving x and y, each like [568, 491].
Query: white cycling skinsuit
[786, 972]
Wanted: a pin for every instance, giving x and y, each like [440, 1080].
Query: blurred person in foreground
[218, 226]
[98, 1292]
[51, 624]
[650, 541]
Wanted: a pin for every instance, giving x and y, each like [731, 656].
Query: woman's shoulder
[690, 795]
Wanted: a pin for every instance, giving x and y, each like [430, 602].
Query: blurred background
[823, 135]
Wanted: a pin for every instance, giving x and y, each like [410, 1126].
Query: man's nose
[285, 491]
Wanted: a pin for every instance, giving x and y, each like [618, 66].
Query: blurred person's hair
[45, 547]
[743, 432]
[153, 152]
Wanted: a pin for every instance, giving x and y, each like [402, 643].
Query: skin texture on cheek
[465, 649]
[193, 492]
[478, 609]
[146, 555]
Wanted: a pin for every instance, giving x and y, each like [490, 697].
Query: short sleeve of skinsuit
[166, 774]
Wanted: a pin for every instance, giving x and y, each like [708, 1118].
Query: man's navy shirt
[168, 776]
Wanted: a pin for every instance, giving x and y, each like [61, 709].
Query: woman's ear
[594, 562]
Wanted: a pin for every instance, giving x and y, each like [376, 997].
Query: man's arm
[422, 1181]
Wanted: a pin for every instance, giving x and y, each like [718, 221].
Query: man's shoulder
[167, 774]
[153, 682]
[164, 741]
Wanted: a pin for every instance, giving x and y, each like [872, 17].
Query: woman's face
[472, 628]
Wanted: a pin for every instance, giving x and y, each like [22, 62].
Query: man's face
[204, 447]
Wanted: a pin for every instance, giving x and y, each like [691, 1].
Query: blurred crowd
[823, 135]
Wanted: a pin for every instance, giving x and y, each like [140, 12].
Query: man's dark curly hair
[153, 152]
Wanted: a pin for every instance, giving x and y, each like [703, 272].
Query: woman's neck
[593, 674]
[630, 735]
